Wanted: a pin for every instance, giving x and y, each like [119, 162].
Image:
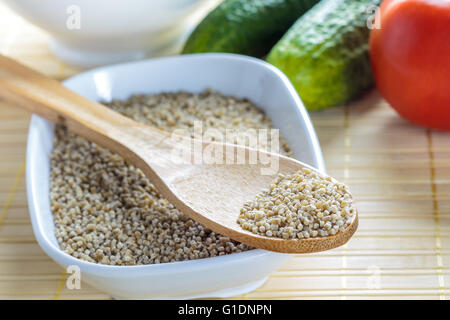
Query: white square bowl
[230, 74]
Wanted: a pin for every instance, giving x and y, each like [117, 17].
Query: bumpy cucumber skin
[325, 53]
[249, 27]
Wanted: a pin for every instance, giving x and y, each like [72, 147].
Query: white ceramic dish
[90, 33]
[230, 74]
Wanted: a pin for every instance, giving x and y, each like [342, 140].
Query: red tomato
[410, 57]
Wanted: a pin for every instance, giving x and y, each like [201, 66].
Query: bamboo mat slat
[399, 173]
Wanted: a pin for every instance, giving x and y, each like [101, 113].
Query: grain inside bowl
[108, 212]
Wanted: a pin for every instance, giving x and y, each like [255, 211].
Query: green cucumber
[325, 53]
[249, 27]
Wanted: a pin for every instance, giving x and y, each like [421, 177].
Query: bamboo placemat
[399, 174]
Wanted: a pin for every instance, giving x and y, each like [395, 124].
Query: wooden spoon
[211, 194]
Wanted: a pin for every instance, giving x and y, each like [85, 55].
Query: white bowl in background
[230, 74]
[90, 33]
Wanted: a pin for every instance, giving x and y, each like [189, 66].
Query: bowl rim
[64, 258]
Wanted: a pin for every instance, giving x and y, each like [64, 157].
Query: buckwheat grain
[298, 206]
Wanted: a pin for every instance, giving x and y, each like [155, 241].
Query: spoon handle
[30, 90]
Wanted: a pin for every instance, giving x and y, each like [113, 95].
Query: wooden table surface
[399, 174]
